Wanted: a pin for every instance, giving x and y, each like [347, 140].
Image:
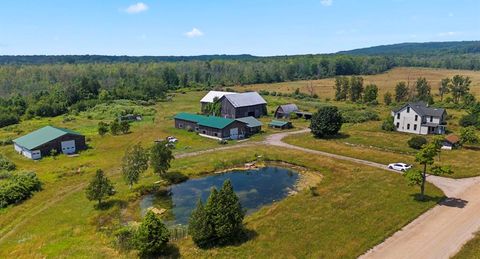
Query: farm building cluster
[236, 115]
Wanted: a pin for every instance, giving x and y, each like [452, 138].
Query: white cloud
[448, 34]
[136, 8]
[194, 33]
[326, 2]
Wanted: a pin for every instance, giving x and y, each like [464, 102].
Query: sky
[257, 27]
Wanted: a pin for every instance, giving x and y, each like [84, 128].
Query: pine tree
[229, 217]
[99, 188]
[200, 227]
[152, 236]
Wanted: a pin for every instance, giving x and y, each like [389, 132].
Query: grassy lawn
[357, 208]
[471, 250]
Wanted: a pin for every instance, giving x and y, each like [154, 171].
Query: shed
[253, 125]
[450, 142]
[277, 124]
[284, 111]
[41, 142]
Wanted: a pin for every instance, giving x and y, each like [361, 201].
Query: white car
[399, 166]
[172, 139]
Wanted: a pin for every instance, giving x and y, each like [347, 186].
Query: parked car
[399, 166]
[172, 139]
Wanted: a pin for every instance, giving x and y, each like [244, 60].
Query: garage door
[234, 133]
[68, 147]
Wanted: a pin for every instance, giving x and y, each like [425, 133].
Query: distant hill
[452, 47]
[82, 59]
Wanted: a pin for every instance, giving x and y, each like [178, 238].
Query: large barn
[243, 105]
[41, 142]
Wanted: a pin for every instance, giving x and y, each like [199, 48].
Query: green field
[357, 208]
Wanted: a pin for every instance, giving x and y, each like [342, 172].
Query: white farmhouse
[418, 118]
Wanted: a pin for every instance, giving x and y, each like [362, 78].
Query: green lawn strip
[471, 250]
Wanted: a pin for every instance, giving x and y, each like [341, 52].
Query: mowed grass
[357, 207]
[385, 81]
[471, 250]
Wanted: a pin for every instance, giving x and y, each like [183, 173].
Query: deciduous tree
[99, 188]
[134, 163]
[327, 121]
[160, 157]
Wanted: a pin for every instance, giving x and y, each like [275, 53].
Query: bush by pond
[18, 187]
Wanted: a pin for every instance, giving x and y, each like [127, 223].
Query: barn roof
[210, 96]
[245, 99]
[207, 121]
[288, 108]
[250, 121]
[42, 136]
[278, 123]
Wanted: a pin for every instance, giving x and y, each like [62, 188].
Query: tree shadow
[427, 198]
[171, 251]
[454, 202]
[474, 148]
[110, 204]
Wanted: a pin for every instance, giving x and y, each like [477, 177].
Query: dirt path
[440, 232]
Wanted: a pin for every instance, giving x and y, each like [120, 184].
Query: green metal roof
[42, 136]
[278, 123]
[207, 121]
[189, 117]
[250, 121]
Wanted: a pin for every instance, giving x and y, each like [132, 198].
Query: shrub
[151, 238]
[327, 121]
[6, 164]
[359, 116]
[102, 128]
[175, 177]
[124, 238]
[416, 142]
[18, 187]
[468, 120]
[388, 125]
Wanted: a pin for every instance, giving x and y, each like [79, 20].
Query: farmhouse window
[398, 115]
[415, 127]
[398, 125]
[408, 109]
[416, 117]
[408, 126]
[431, 118]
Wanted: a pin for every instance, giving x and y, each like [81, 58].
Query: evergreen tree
[124, 126]
[387, 98]
[99, 188]
[151, 238]
[102, 128]
[134, 163]
[115, 127]
[229, 215]
[200, 227]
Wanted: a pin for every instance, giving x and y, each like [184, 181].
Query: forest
[53, 85]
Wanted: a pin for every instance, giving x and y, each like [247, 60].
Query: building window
[398, 115]
[408, 109]
[416, 117]
[415, 127]
[431, 118]
[408, 126]
[180, 125]
[398, 125]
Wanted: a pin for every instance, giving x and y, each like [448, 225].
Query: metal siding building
[243, 105]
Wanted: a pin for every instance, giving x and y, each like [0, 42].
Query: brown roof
[452, 139]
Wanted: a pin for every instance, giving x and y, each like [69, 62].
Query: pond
[255, 188]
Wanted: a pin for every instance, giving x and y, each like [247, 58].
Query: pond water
[255, 188]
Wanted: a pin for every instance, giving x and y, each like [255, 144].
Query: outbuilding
[41, 142]
[286, 110]
[253, 125]
[450, 142]
[277, 124]
[211, 97]
[211, 126]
